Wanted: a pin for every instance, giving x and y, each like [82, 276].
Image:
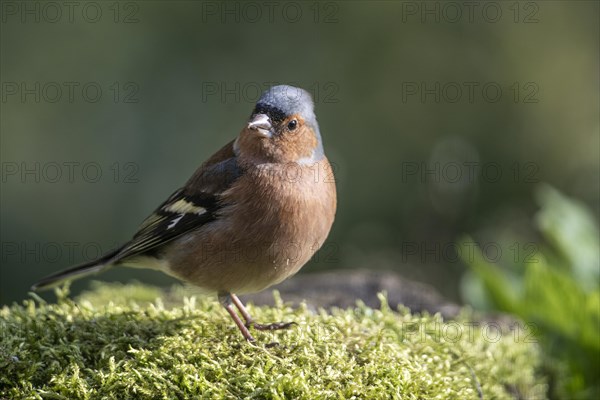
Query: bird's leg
[225, 300]
[250, 322]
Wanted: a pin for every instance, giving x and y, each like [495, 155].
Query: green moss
[112, 343]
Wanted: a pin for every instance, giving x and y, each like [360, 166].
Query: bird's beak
[261, 124]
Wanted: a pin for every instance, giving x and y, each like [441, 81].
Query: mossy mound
[120, 342]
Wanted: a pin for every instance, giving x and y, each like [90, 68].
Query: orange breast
[276, 217]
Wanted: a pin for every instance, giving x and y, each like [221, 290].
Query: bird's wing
[190, 207]
[178, 215]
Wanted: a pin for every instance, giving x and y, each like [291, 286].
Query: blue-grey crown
[282, 101]
[288, 100]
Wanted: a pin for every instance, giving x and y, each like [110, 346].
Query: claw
[228, 300]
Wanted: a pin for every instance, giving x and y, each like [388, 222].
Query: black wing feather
[165, 225]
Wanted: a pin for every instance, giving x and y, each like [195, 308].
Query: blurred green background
[464, 137]
[440, 119]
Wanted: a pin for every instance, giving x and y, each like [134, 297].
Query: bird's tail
[76, 272]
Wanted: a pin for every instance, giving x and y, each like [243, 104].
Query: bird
[248, 218]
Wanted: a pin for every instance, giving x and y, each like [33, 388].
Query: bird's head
[282, 129]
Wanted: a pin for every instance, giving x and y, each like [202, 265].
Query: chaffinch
[251, 216]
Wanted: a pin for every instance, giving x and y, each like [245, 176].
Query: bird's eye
[292, 125]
